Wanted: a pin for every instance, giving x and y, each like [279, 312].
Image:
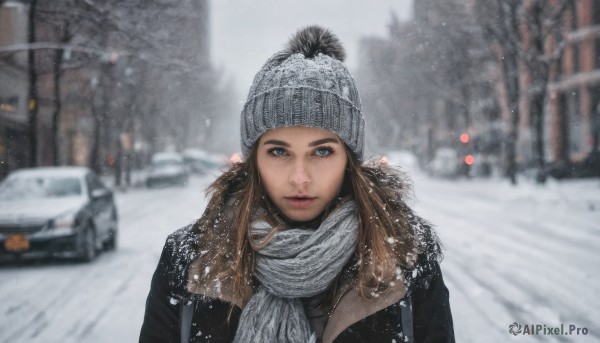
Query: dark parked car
[57, 211]
[589, 167]
[167, 168]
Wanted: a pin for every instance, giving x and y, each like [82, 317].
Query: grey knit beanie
[306, 84]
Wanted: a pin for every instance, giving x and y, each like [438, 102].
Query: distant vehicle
[200, 161]
[167, 168]
[445, 163]
[404, 159]
[57, 211]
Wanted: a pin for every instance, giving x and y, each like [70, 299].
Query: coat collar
[349, 307]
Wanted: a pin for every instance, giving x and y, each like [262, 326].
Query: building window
[9, 104]
[575, 55]
[575, 45]
[573, 104]
[596, 12]
[597, 53]
[574, 121]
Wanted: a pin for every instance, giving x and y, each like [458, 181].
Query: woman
[302, 242]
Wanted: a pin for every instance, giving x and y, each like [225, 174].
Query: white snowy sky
[244, 33]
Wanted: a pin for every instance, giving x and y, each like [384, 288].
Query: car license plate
[16, 243]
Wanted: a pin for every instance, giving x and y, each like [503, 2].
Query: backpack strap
[407, 320]
[186, 312]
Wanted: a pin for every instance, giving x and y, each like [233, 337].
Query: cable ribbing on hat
[302, 106]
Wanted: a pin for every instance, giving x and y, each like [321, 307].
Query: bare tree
[528, 33]
[504, 28]
[429, 80]
[54, 16]
[543, 51]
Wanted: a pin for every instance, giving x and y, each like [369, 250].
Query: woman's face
[302, 169]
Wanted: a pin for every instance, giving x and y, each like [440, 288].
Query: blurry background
[245, 34]
[492, 107]
[502, 87]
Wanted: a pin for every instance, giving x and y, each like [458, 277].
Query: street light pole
[32, 104]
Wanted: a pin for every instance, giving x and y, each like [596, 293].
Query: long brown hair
[386, 241]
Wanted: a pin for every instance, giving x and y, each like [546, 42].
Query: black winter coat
[431, 315]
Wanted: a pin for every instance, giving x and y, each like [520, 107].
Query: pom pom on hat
[314, 39]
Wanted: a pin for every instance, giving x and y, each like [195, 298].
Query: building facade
[13, 88]
[114, 75]
[574, 124]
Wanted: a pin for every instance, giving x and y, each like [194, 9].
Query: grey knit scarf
[296, 263]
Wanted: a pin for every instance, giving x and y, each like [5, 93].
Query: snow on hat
[306, 84]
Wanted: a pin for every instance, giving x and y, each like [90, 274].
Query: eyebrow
[323, 141]
[276, 142]
[315, 143]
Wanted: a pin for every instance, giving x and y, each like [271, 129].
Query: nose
[299, 174]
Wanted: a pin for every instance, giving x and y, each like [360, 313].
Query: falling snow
[525, 254]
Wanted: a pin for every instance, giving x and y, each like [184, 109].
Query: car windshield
[24, 188]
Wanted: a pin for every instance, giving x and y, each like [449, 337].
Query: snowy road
[527, 255]
[102, 301]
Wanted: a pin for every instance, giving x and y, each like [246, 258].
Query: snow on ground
[527, 254]
[524, 254]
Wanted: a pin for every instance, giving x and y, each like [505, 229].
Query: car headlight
[65, 221]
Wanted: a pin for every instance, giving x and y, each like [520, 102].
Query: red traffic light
[465, 138]
[469, 160]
